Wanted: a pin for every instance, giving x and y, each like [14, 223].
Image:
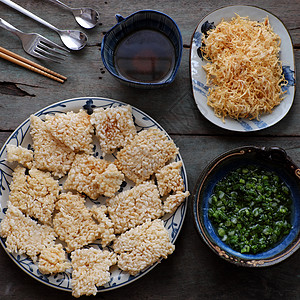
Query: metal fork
[37, 45]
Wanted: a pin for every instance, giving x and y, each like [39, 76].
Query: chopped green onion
[251, 208]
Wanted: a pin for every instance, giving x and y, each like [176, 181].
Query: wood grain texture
[192, 271]
[88, 77]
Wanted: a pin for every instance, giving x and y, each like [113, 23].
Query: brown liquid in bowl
[145, 56]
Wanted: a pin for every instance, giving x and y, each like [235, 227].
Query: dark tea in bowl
[143, 50]
[146, 55]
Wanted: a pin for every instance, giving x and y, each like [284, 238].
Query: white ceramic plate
[21, 136]
[198, 75]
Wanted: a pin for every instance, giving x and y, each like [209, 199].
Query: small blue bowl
[141, 20]
[273, 159]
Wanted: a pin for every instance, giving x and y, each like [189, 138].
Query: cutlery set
[35, 44]
[40, 47]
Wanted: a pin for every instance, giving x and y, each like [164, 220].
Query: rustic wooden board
[87, 76]
[193, 271]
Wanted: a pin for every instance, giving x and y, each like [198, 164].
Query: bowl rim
[244, 260]
[139, 83]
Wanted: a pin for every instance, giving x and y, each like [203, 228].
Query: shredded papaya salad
[244, 73]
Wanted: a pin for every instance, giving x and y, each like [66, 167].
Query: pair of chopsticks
[28, 64]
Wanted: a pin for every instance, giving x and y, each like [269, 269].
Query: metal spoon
[72, 39]
[86, 17]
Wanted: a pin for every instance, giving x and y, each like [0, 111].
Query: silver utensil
[72, 39]
[35, 44]
[86, 17]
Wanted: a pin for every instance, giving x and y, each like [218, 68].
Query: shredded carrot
[244, 73]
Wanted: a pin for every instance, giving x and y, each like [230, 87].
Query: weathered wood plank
[88, 77]
[180, 114]
[3, 137]
[193, 271]
[173, 106]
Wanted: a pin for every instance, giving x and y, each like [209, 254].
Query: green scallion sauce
[250, 209]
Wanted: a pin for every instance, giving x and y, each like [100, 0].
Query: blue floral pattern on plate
[198, 75]
[21, 136]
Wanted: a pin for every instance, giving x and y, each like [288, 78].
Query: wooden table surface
[193, 271]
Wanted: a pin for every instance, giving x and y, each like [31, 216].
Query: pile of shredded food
[244, 73]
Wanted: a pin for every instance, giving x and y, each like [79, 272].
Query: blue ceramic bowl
[274, 159]
[144, 19]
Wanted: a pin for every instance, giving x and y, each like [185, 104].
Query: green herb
[250, 209]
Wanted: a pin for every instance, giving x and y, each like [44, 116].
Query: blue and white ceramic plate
[21, 136]
[198, 75]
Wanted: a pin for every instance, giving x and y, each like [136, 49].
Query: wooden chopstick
[28, 64]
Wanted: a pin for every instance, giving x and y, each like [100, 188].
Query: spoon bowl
[73, 39]
[86, 17]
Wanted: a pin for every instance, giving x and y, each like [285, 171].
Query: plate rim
[191, 77]
[183, 206]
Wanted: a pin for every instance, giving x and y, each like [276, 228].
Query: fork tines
[49, 50]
